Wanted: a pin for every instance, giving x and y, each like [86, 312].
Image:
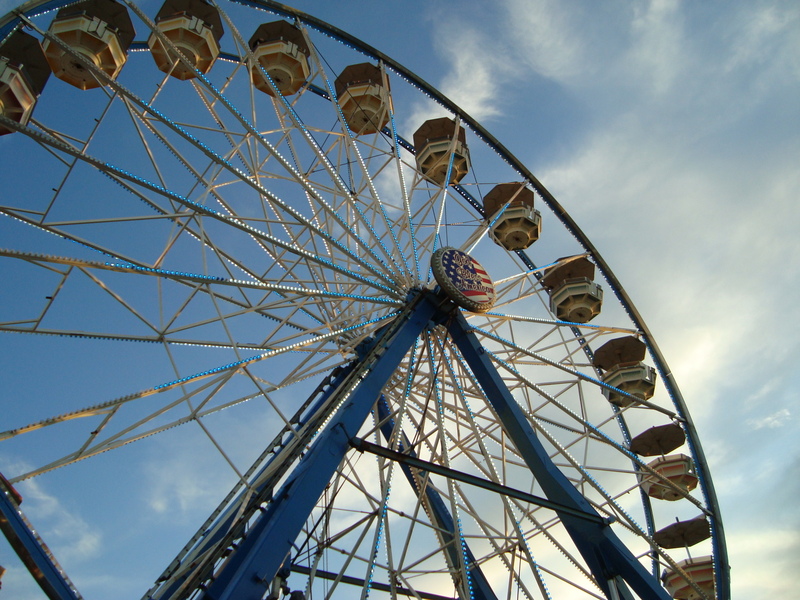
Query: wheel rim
[255, 245]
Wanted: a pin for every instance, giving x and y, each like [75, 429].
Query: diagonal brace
[254, 563]
[407, 458]
[607, 557]
[31, 549]
[470, 581]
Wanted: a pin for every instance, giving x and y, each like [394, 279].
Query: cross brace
[255, 561]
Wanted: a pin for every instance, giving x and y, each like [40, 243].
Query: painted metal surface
[605, 554]
[474, 583]
[254, 563]
[32, 551]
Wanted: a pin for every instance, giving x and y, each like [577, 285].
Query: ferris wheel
[376, 351]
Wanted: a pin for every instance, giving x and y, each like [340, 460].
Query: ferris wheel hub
[463, 279]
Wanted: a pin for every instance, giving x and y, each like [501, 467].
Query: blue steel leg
[474, 583]
[223, 533]
[254, 563]
[32, 551]
[604, 553]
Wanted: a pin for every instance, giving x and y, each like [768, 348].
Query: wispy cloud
[178, 479]
[478, 70]
[549, 37]
[687, 198]
[179, 486]
[67, 534]
[772, 421]
[670, 167]
[477, 75]
[749, 551]
[764, 39]
[657, 53]
[685, 177]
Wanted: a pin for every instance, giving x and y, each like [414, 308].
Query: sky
[670, 131]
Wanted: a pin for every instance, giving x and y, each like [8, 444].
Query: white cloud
[478, 71]
[549, 38]
[686, 197]
[663, 183]
[180, 488]
[773, 421]
[750, 551]
[181, 481]
[478, 74]
[686, 180]
[763, 34]
[61, 527]
[187, 476]
[658, 45]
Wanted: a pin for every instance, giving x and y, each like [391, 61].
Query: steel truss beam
[381, 587]
[607, 557]
[407, 457]
[253, 564]
[473, 585]
[31, 549]
[259, 555]
[225, 528]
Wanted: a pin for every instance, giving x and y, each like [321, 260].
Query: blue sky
[670, 131]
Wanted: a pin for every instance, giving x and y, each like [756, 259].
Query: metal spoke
[244, 260]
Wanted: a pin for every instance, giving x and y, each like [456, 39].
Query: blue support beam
[31, 550]
[606, 556]
[417, 464]
[225, 531]
[257, 557]
[475, 585]
[253, 564]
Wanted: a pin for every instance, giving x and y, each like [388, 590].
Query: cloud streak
[64, 530]
[685, 177]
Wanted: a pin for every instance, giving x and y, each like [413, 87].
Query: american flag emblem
[464, 279]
